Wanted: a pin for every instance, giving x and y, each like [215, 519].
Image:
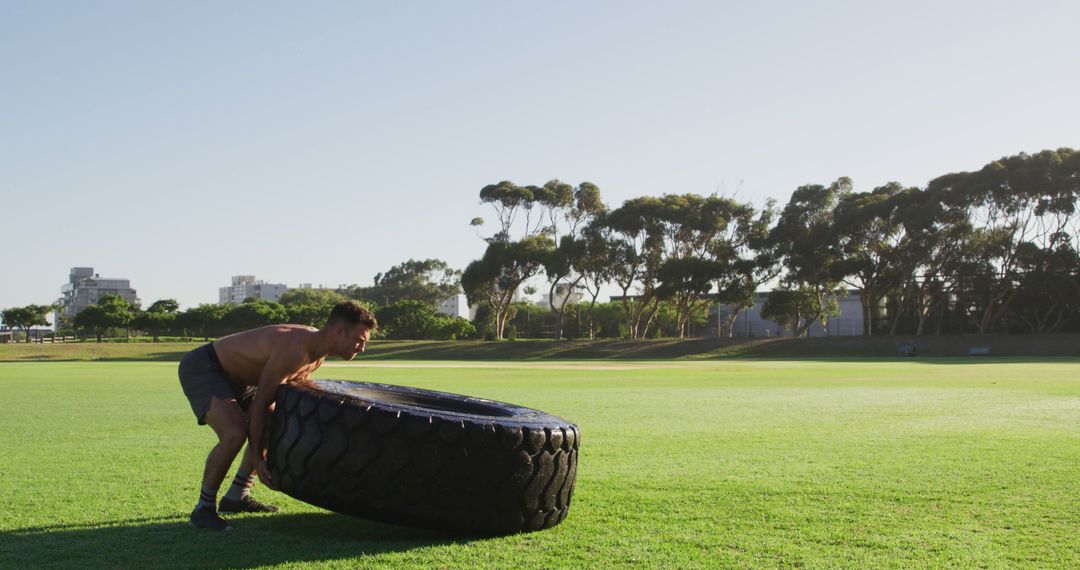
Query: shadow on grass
[170, 542]
[543, 349]
[171, 356]
[833, 348]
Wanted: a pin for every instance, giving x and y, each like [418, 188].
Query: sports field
[745, 463]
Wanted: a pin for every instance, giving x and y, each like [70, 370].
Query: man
[231, 384]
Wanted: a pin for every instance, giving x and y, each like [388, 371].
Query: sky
[179, 143]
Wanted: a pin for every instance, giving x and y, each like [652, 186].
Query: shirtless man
[231, 384]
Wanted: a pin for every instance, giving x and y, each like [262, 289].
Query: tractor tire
[422, 458]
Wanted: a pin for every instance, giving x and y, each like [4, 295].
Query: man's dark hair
[351, 313]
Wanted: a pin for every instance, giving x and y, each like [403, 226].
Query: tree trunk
[864, 299]
[652, 316]
[558, 312]
[592, 306]
[506, 298]
[899, 308]
[628, 311]
[940, 318]
[731, 324]
[639, 312]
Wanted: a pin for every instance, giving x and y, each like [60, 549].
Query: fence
[765, 329]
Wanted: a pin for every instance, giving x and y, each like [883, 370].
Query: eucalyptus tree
[808, 244]
[799, 307]
[1048, 296]
[747, 261]
[636, 252]
[872, 238]
[569, 220]
[1017, 200]
[494, 278]
[704, 235]
[597, 265]
[531, 220]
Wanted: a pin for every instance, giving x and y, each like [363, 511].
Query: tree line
[994, 250]
[404, 300]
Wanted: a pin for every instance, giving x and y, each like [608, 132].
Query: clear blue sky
[180, 143]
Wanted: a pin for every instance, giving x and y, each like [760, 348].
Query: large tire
[422, 458]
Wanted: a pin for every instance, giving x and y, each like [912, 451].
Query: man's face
[352, 340]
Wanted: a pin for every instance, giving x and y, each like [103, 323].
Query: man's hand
[264, 473]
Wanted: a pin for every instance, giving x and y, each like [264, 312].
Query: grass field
[1058, 345]
[744, 463]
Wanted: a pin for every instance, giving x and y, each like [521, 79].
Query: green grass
[692, 464]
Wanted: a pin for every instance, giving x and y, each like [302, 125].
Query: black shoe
[244, 505]
[205, 517]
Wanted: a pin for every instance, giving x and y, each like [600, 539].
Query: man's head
[350, 325]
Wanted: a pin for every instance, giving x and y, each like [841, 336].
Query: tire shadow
[256, 540]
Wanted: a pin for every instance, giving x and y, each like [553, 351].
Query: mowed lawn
[965, 463]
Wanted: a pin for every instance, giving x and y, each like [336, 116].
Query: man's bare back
[244, 355]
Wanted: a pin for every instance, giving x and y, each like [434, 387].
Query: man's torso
[244, 355]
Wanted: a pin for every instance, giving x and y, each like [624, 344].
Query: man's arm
[277, 370]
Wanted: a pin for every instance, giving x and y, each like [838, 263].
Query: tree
[872, 238]
[153, 322]
[638, 253]
[562, 267]
[575, 209]
[416, 320]
[507, 199]
[158, 318]
[431, 281]
[310, 306]
[806, 240]
[1047, 296]
[255, 313]
[494, 278]
[930, 256]
[92, 319]
[1011, 201]
[118, 312]
[453, 328]
[596, 265]
[407, 319]
[205, 320]
[685, 282]
[747, 260]
[164, 306]
[507, 264]
[27, 317]
[797, 309]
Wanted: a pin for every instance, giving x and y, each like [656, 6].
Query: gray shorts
[202, 378]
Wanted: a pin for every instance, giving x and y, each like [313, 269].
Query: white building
[561, 298]
[457, 306]
[247, 287]
[85, 288]
[749, 323]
